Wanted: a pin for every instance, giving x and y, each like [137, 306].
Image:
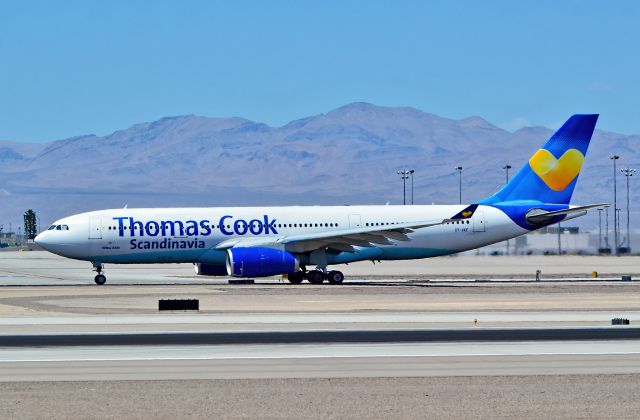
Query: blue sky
[76, 67]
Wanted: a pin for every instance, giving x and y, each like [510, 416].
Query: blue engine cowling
[260, 262]
[210, 269]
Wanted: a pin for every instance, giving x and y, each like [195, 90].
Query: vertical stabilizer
[552, 172]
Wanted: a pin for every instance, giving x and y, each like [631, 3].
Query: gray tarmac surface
[43, 268]
[44, 294]
[319, 360]
[507, 397]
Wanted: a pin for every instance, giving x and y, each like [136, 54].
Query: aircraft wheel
[315, 277]
[296, 278]
[100, 279]
[335, 277]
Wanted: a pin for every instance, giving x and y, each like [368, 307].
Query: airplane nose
[41, 240]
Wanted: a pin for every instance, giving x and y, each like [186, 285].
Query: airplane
[257, 242]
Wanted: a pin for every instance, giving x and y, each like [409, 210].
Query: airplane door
[479, 222]
[354, 221]
[95, 228]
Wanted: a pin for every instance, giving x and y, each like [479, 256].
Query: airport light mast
[506, 168]
[628, 173]
[411, 171]
[615, 206]
[599, 230]
[405, 174]
[459, 170]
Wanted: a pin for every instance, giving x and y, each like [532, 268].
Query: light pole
[628, 173]
[620, 238]
[506, 168]
[606, 228]
[404, 174]
[599, 230]
[559, 240]
[459, 169]
[411, 171]
[615, 206]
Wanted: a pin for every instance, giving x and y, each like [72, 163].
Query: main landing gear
[316, 277]
[100, 278]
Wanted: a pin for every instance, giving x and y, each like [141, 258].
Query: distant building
[8, 239]
[545, 241]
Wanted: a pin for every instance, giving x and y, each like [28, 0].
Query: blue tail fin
[552, 172]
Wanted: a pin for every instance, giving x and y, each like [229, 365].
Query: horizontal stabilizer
[539, 216]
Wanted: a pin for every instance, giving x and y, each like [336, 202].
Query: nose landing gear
[100, 278]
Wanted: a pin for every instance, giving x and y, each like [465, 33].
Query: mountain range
[349, 155]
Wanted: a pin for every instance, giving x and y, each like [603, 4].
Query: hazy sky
[78, 67]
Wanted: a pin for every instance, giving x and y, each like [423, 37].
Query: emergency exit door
[95, 228]
[355, 221]
[479, 222]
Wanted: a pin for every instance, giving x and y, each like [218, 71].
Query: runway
[40, 268]
[319, 354]
[319, 361]
[446, 336]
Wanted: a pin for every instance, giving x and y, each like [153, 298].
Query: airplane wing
[339, 240]
[539, 216]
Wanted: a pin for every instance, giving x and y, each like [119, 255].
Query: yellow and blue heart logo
[557, 173]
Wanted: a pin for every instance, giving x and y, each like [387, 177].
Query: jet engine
[210, 269]
[260, 262]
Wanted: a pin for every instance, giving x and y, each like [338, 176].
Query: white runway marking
[228, 352]
[339, 318]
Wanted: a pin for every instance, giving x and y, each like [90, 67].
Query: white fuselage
[179, 235]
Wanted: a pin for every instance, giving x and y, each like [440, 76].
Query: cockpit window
[59, 227]
[52, 227]
[64, 227]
